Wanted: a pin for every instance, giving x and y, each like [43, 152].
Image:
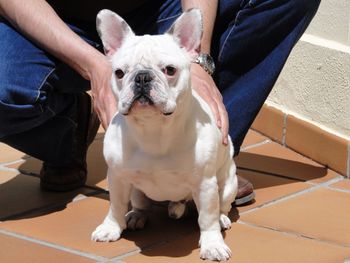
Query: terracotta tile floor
[301, 214]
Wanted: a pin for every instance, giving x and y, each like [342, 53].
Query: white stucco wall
[315, 82]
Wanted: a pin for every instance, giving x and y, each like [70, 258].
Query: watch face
[208, 63]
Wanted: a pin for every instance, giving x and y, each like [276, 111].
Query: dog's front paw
[106, 233]
[136, 219]
[225, 222]
[215, 252]
[213, 247]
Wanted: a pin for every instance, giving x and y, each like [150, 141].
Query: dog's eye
[169, 70]
[119, 73]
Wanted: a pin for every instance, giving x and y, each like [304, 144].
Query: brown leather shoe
[66, 178]
[245, 194]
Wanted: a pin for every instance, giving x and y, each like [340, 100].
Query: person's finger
[219, 94]
[207, 95]
[223, 115]
[103, 120]
[214, 107]
[98, 111]
[111, 108]
[218, 100]
[225, 124]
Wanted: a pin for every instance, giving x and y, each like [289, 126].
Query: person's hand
[104, 102]
[203, 83]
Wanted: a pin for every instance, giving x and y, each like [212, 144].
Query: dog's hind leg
[176, 210]
[228, 187]
[137, 217]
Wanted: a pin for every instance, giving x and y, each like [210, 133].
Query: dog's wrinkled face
[151, 73]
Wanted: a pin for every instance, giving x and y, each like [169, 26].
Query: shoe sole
[245, 200]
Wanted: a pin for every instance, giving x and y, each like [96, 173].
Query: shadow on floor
[21, 196]
[279, 167]
[170, 229]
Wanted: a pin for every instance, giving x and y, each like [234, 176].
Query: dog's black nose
[143, 78]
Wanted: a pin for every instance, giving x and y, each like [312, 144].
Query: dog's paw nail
[105, 233]
[225, 222]
[215, 252]
[213, 246]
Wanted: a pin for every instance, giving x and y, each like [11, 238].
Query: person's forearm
[209, 9]
[39, 22]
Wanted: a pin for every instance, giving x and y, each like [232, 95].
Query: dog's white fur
[151, 154]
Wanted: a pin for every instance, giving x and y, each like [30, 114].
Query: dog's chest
[162, 178]
[162, 185]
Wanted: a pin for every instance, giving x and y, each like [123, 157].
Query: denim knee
[18, 110]
[304, 7]
[309, 5]
[30, 103]
[34, 86]
[300, 7]
[296, 4]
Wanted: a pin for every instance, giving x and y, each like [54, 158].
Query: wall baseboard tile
[306, 138]
[270, 122]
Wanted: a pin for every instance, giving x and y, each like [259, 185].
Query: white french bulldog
[163, 144]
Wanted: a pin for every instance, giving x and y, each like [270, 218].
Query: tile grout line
[125, 255]
[116, 261]
[340, 177]
[78, 198]
[52, 245]
[296, 194]
[3, 167]
[255, 145]
[8, 169]
[284, 129]
[348, 164]
[17, 161]
[294, 234]
[338, 189]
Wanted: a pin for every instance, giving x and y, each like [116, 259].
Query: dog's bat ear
[112, 30]
[187, 31]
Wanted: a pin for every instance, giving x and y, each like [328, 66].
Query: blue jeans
[251, 42]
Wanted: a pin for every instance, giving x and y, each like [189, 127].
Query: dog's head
[151, 73]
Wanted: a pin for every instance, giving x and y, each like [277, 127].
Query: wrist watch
[206, 62]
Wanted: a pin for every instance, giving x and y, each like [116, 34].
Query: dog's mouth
[142, 99]
[139, 101]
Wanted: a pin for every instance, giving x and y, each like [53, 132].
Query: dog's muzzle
[143, 80]
[143, 85]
